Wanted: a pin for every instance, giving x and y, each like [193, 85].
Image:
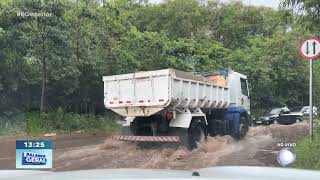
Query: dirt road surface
[74, 152]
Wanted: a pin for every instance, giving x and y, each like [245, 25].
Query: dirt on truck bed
[258, 148]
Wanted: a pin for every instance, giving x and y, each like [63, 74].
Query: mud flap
[147, 138]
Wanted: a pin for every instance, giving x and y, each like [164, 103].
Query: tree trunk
[44, 77]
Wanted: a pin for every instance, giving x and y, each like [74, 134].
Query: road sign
[310, 48]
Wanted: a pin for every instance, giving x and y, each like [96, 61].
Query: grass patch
[59, 121]
[13, 125]
[308, 153]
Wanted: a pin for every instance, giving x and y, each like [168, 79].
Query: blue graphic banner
[33, 154]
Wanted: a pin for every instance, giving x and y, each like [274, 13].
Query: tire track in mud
[258, 148]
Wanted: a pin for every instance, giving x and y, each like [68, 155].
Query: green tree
[178, 18]
[43, 43]
[234, 24]
[307, 11]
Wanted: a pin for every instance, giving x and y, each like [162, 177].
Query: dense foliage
[59, 61]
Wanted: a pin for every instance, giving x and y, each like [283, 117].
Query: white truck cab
[239, 90]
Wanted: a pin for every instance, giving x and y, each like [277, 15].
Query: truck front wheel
[196, 134]
[243, 127]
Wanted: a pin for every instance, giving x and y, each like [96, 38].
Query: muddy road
[259, 148]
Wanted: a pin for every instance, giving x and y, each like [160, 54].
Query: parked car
[288, 118]
[297, 115]
[298, 111]
[272, 116]
[281, 116]
[305, 111]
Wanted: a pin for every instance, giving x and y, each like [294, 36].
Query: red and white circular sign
[310, 48]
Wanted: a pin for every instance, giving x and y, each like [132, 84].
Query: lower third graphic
[33, 154]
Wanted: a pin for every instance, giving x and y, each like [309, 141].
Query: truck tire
[243, 127]
[196, 134]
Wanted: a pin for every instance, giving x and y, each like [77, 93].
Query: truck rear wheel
[196, 134]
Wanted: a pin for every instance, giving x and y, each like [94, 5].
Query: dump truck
[174, 106]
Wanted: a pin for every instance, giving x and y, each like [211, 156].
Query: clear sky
[268, 3]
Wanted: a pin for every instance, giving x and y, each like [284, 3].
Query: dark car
[281, 116]
[299, 111]
[287, 117]
[290, 118]
[271, 117]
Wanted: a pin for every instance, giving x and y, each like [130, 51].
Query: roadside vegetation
[13, 126]
[57, 122]
[308, 153]
[62, 122]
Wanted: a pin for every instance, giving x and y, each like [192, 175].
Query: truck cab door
[244, 95]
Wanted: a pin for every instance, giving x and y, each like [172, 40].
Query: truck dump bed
[148, 92]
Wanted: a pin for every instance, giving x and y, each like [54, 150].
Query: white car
[305, 111]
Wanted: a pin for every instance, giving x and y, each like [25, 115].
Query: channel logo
[29, 158]
[33, 154]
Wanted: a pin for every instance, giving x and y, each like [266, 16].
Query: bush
[13, 125]
[308, 153]
[61, 121]
[35, 123]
